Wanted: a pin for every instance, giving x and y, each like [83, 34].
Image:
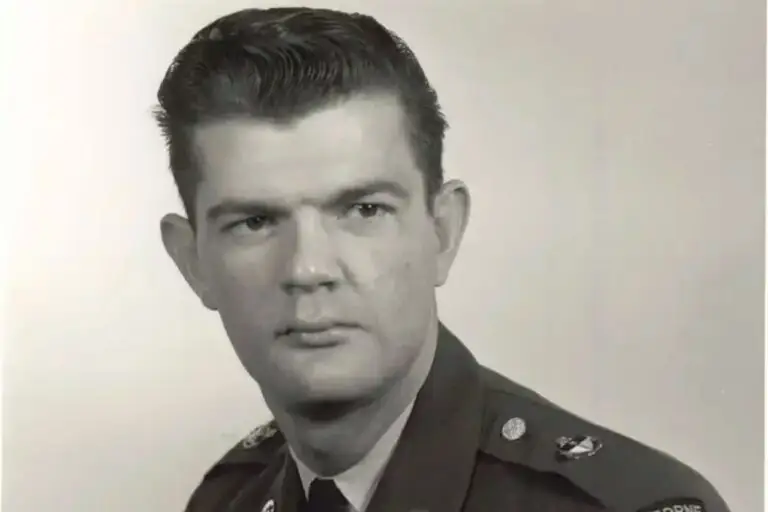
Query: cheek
[243, 280]
[398, 271]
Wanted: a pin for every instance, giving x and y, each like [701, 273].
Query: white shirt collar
[358, 483]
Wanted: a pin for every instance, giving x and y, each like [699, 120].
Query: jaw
[331, 436]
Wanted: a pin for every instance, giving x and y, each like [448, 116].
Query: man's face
[315, 245]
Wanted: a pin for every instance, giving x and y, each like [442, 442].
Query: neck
[332, 447]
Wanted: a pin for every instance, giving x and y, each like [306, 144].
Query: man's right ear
[180, 244]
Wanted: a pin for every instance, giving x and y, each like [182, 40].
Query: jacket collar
[431, 467]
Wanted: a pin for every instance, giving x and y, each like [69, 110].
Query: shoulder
[619, 472]
[244, 461]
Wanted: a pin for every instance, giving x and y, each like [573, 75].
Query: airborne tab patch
[676, 505]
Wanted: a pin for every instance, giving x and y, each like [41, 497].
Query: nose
[312, 262]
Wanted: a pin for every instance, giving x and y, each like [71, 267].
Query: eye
[250, 224]
[369, 210]
[255, 222]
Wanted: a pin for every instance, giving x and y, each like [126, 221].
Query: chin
[331, 397]
[349, 387]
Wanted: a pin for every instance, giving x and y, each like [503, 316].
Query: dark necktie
[324, 496]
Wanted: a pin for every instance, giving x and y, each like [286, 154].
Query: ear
[181, 245]
[451, 215]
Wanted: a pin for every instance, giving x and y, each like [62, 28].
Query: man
[306, 145]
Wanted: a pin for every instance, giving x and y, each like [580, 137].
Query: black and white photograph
[384, 256]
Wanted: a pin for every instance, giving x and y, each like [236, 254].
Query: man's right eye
[250, 224]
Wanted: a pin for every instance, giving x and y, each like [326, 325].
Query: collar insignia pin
[258, 435]
[572, 448]
[513, 429]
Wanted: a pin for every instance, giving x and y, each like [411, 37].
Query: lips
[316, 327]
[317, 334]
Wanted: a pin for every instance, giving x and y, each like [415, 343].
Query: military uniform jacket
[476, 442]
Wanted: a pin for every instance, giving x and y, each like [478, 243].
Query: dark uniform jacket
[476, 442]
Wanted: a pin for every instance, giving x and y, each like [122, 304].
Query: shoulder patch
[622, 474]
[676, 505]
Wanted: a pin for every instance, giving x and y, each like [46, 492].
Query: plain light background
[613, 262]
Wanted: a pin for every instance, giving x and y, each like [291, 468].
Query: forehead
[359, 139]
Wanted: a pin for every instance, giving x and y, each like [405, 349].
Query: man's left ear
[451, 214]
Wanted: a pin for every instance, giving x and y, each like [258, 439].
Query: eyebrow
[238, 206]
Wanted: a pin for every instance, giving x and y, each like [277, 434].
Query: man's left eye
[368, 210]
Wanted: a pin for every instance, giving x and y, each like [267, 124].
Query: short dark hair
[279, 64]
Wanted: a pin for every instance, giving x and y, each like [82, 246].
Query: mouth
[317, 334]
